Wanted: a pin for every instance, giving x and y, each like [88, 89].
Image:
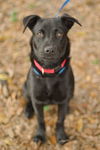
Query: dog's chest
[50, 85]
[49, 91]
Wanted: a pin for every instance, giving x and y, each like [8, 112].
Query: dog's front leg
[40, 135]
[60, 133]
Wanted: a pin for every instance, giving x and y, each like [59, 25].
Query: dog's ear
[69, 21]
[30, 21]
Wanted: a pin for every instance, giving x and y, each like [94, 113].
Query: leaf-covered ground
[83, 122]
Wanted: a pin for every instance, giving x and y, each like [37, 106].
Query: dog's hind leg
[28, 111]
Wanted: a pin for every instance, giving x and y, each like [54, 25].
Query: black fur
[49, 46]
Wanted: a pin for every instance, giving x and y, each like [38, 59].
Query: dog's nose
[49, 50]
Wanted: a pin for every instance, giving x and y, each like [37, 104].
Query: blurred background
[83, 122]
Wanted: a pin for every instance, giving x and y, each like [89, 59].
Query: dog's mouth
[50, 58]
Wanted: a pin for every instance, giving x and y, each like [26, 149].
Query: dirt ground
[83, 122]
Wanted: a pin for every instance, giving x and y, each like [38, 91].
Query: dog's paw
[62, 138]
[39, 138]
[28, 111]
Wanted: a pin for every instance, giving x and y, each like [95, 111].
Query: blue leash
[63, 5]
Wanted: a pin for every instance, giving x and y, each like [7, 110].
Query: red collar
[49, 71]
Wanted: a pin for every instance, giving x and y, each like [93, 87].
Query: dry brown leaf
[88, 78]
[3, 118]
[8, 141]
[93, 94]
[73, 145]
[88, 131]
[81, 33]
[4, 37]
[53, 140]
[98, 146]
[50, 122]
[91, 120]
[79, 125]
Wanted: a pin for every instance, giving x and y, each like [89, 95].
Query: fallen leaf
[72, 145]
[53, 140]
[82, 33]
[91, 120]
[93, 94]
[3, 118]
[79, 125]
[8, 141]
[3, 38]
[88, 78]
[4, 76]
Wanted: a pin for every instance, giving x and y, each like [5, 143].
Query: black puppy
[50, 79]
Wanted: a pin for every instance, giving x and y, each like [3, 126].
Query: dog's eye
[58, 34]
[40, 34]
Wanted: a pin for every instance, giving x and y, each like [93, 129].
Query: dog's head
[49, 42]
